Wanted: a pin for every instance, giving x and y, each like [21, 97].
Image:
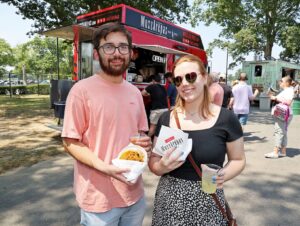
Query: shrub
[30, 89]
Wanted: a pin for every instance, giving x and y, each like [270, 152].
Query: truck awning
[160, 49]
[86, 34]
[68, 32]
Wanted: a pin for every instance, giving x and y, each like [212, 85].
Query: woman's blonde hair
[180, 102]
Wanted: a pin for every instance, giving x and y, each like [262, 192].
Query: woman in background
[280, 128]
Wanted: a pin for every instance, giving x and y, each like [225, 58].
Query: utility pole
[10, 88]
[57, 56]
[226, 74]
[209, 66]
[24, 75]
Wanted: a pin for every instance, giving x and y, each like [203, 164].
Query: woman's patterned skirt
[180, 202]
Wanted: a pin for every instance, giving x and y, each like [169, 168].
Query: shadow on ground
[275, 201]
[41, 190]
[251, 137]
[262, 117]
[292, 152]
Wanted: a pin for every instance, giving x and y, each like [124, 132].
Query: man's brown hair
[108, 28]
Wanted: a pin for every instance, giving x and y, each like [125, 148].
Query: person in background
[234, 82]
[296, 87]
[280, 128]
[171, 90]
[102, 112]
[242, 95]
[227, 92]
[215, 131]
[215, 90]
[159, 101]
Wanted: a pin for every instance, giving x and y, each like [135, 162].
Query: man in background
[215, 90]
[242, 95]
[159, 101]
[227, 91]
[171, 90]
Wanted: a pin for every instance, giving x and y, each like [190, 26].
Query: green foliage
[39, 56]
[6, 56]
[30, 89]
[291, 37]
[52, 13]
[251, 26]
[38, 89]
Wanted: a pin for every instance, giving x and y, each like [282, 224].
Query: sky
[14, 32]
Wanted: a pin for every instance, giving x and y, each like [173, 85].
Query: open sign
[158, 59]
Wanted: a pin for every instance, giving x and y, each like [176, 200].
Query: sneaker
[280, 154]
[271, 155]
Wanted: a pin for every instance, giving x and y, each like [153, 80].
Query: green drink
[209, 173]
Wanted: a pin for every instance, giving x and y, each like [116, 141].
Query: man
[159, 102]
[171, 90]
[215, 90]
[242, 95]
[227, 91]
[102, 112]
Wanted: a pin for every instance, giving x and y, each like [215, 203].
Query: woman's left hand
[220, 179]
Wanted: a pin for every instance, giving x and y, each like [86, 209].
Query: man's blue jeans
[243, 118]
[125, 216]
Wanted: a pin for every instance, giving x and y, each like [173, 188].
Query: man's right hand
[117, 173]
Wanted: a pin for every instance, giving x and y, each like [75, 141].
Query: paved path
[265, 194]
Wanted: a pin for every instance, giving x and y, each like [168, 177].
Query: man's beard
[109, 70]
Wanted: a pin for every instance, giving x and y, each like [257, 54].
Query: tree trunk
[24, 75]
[268, 50]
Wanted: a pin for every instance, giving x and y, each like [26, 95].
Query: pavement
[265, 194]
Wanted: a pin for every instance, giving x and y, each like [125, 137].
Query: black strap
[197, 169]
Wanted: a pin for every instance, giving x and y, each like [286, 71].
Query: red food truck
[156, 43]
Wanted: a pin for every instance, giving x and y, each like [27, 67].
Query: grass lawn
[25, 138]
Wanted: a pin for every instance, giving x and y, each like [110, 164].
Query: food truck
[156, 43]
[265, 74]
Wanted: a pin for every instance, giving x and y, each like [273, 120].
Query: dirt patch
[25, 138]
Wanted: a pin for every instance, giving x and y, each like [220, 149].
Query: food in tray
[134, 155]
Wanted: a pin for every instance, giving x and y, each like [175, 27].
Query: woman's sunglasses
[189, 77]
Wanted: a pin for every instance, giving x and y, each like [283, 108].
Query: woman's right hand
[170, 160]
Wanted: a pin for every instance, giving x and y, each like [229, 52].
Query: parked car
[45, 82]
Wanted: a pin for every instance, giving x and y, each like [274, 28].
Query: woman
[280, 133]
[215, 132]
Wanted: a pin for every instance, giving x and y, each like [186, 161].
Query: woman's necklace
[191, 113]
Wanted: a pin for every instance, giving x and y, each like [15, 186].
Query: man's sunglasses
[189, 77]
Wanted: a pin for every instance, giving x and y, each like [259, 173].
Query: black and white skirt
[181, 202]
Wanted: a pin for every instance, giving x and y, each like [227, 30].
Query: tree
[39, 58]
[54, 13]
[251, 25]
[6, 56]
[291, 37]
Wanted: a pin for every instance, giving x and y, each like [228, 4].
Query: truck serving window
[258, 71]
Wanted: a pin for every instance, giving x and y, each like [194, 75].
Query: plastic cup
[209, 174]
[136, 137]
